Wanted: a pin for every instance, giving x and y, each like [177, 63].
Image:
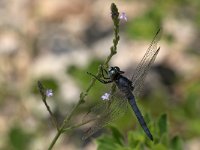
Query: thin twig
[43, 94]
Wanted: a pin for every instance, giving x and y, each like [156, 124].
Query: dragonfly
[123, 92]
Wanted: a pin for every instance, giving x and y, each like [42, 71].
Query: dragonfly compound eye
[117, 69]
[112, 72]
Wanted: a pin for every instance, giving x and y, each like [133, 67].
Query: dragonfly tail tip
[151, 137]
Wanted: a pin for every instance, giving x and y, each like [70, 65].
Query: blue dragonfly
[123, 92]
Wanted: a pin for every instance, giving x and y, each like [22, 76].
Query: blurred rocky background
[58, 41]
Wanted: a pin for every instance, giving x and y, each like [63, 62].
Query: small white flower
[123, 16]
[105, 96]
[49, 92]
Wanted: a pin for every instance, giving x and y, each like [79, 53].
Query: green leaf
[164, 139]
[106, 143]
[159, 147]
[117, 135]
[140, 146]
[176, 143]
[136, 137]
[162, 124]
[19, 139]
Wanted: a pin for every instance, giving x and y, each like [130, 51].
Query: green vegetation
[19, 139]
[138, 141]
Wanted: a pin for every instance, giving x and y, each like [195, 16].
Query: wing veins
[108, 115]
[147, 56]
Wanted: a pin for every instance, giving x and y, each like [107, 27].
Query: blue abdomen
[132, 102]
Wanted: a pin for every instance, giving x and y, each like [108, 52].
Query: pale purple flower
[49, 92]
[123, 16]
[105, 96]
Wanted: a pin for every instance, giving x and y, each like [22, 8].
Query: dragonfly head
[113, 71]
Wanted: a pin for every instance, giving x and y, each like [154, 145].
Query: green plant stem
[51, 114]
[43, 94]
[54, 140]
[60, 130]
[113, 51]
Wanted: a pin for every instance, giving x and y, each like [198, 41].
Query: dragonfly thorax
[114, 71]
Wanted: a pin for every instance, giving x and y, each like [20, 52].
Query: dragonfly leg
[102, 72]
[99, 79]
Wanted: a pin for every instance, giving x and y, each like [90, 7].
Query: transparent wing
[106, 112]
[145, 64]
